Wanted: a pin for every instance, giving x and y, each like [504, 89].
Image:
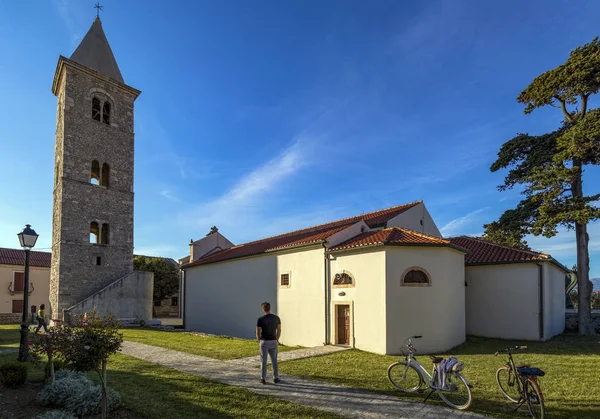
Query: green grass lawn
[9, 336]
[209, 346]
[153, 391]
[571, 386]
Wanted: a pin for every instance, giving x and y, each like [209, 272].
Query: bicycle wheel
[458, 393]
[405, 376]
[535, 399]
[508, 384]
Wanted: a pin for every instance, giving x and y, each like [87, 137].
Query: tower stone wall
[80, 268]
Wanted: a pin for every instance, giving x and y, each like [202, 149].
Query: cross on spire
[98, 7]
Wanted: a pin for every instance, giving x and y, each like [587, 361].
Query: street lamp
[27, 237]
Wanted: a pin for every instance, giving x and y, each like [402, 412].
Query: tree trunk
[583, 259]
[104, 395]
[52, 375]
[583, 282]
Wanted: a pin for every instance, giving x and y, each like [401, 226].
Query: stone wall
[127, 298]
[572, 323]
[10, 318]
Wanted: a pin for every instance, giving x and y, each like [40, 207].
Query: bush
[56, 414]
[13, 374]
[76, 393]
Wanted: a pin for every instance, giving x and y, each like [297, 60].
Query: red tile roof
[17, 257]
[393, 236]
[316, 234]
[483, 252]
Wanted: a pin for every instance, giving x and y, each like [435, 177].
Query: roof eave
[64, 61]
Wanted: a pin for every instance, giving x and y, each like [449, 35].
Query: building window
[17, 306]
[106, 113]
[416, 277]
[98, 260]
[285, 280]
[343, 279]
[156, 303]
[96, 109]
[105, 175]
[18, 282]
[105, 234]
[94, 232]
[174, 301]
[95, 173]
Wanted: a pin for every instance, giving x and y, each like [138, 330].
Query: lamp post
[27, 237]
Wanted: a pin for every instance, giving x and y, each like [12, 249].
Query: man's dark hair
[266, 306]
[42, 307]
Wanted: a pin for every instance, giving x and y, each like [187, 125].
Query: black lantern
[27, 237]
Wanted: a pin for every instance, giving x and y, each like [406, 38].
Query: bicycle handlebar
[509, 350]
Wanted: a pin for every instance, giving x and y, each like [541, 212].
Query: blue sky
[262, 117]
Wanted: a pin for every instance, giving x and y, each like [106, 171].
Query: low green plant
[76, 393]
[56, 414]
[13, 374]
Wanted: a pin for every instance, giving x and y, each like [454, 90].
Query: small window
[156, 303]
[416, 277]
[98, 260]
[94, 232]
[284, 280]
[95, 173]
[96, 109]
[105, 175]
[17, 306]
[106, 113]
[18, 282]
[174, 301]
[105, 234]
[343, 279]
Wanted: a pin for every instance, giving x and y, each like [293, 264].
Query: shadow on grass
[9, 336]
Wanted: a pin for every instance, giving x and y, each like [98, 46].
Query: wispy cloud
[65, 10]
[166, 193]
[457, 225]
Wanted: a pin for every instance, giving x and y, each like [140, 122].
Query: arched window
[105, 175]
[106, 113]
[95, 173]
[105, 233]
[96, 109]
[343, 279]
[416, 277]
[94, 232]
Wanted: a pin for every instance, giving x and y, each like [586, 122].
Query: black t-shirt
[268, 326]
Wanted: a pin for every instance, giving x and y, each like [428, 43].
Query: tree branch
[563, 106]
[584, 101]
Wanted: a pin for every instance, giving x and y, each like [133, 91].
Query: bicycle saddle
[436, 359]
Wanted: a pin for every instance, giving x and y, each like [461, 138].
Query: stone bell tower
[92, 220]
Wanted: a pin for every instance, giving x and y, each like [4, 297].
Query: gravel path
[344, 401]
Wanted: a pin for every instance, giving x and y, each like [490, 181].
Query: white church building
[367, 281]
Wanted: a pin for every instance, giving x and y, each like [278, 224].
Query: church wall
[301, 306]
[366, 298]
[224, 298]
[503, 301]
[412, 218]
[554, 300]
[436, 312]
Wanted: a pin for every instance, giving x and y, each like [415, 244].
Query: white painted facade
[207, 245]
[417, 219]
[503, 300]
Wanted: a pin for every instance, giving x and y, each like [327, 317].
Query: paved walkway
[9, 351]
[344, 401]
[292, 355]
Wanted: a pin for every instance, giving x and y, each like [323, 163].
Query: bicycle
[410, 376]
[519, 383]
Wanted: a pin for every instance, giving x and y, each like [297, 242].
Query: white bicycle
[410, 376]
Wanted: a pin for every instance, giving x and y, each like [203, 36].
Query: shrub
[13, 374]
[76, 393]
[56, 414]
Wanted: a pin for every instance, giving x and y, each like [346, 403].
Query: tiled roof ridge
[330, 224]
[427, 236]
[502, 246]
[384, 236]
[21, 250]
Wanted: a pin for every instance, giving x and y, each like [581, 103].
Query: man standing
[268, 330]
